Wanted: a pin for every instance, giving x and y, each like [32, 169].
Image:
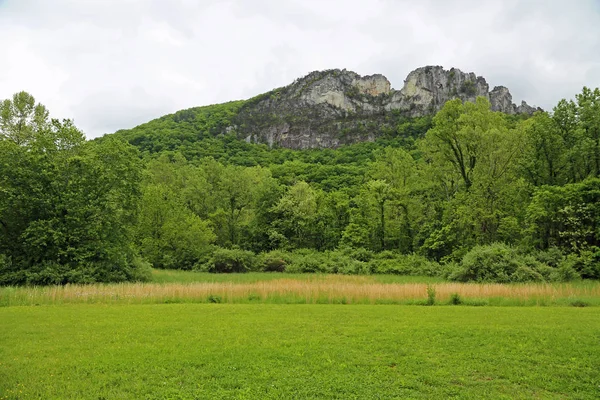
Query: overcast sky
[112, 64]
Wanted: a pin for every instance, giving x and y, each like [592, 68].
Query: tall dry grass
[331, 289]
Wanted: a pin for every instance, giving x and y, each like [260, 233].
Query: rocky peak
[339, 88]
[435, 85]
[333, 107]
[501, 99]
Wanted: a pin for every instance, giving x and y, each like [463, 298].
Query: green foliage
[430, 295]
[309, 261]
[566, 216]
[172, 131]
[455, 299]
[388, 262]
[214, 299]
[580, 303]
[231, 260]
[499, 263]
[68, 207]
[469, 88]
[453, 195]
[274, 261]
[585, 265]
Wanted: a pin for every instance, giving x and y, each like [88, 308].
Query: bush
[500, 263]
[274, 261]
[359, 254]
[586, 264]
[343, 264]
[566, 271]
[141, 270]
[404, 264]
[526, 274]
[430, 295]
[551, 257]
[231, 260]
[214, 299]
[309, 261]
[455, 299]
[493, 263]
[9, 274]
[579, 303]
[469, 88]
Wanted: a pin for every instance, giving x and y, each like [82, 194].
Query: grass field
[262, 351]
[178, 276]
[277, 288]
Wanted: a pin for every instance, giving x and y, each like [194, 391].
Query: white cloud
[116, 63]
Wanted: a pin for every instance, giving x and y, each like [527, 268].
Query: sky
[114, 64]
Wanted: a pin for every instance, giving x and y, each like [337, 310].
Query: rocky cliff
[335, 107]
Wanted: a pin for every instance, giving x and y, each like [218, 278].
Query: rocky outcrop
[335, 107]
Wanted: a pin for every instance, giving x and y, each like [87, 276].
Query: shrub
[500, 263]
[565, 271]
[586, 264]
[492, 263]
[359, 254]
[469, 88]
[579, 303]
[231, 260]
[214, 299]
[430, 295]
[455, 299]
[350, 266]
[274, 261]
[526, 274]
[142, 270]
[404, 264]
[309, 261]
[9, 273]
[551, 257]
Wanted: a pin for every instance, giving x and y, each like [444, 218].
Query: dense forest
[468, 194]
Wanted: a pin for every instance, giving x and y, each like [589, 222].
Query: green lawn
[245, 351]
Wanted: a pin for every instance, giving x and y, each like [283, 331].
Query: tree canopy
[449, 191]
[68, 207]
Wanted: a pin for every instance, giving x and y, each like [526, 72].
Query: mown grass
[243, 351]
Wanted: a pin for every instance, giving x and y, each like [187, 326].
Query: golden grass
[328, 289]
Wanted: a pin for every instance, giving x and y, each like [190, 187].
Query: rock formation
[335, 107]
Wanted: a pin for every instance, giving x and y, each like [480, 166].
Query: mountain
[326, 109]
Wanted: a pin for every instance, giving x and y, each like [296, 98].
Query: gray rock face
[335, 107]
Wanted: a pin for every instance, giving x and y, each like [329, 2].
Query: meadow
[308, 336]
[277, 288]
[277, 351]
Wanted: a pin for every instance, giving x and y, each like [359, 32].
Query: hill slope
[326, 109]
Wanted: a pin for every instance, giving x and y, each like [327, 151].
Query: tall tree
[68, 206]
[588, 103]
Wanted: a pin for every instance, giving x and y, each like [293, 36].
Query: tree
[566, 216]
[173, 229]
[369, 218]
[171, 235]
[398, 169]
[588, 103]
[297, 212]
[21, 119]
[472, 155]
[68, 206]
[544, 158]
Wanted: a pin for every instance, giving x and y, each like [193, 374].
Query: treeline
[470, 194]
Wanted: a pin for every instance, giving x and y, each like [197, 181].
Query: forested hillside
[468, 194]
